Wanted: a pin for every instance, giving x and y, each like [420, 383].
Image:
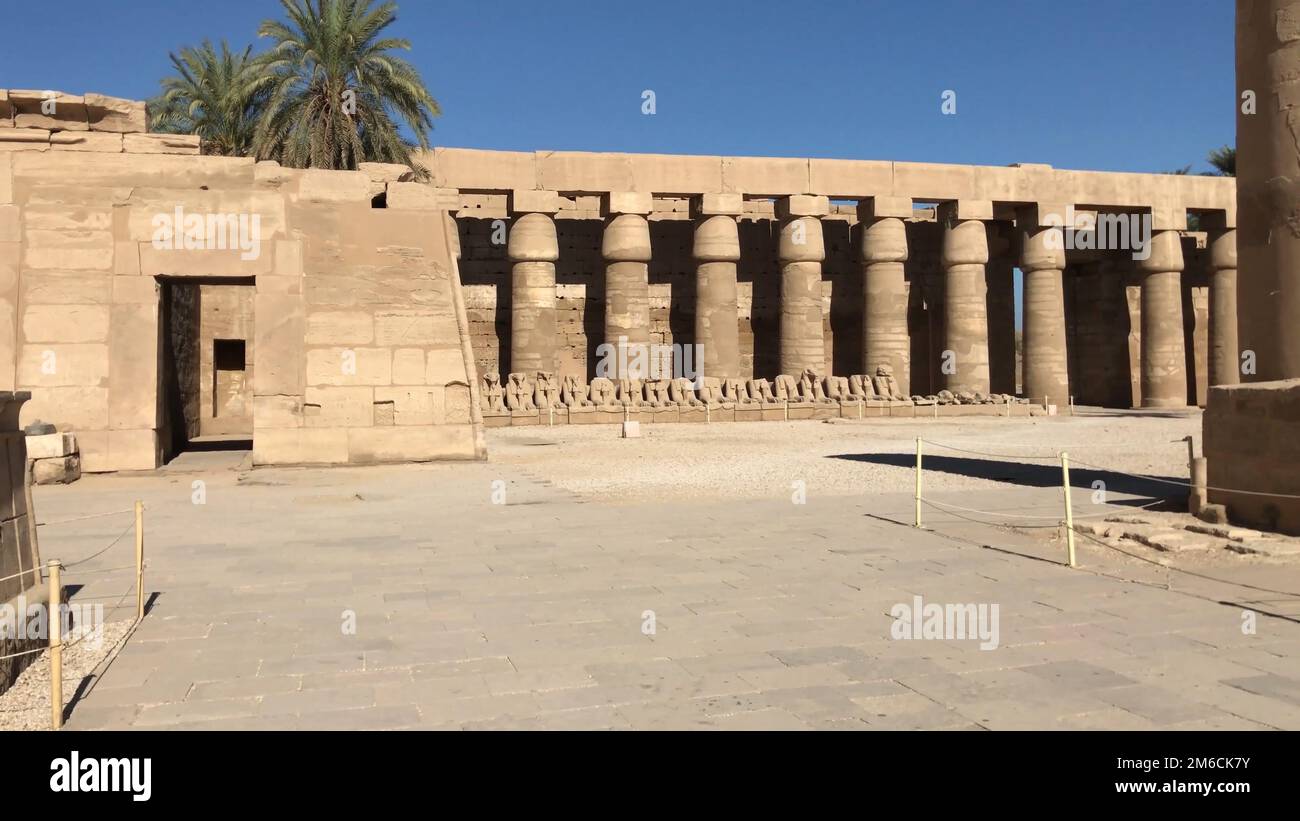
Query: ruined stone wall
[343, 261]
[20, 579]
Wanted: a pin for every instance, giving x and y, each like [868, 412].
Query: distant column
[716, 251]
[533, 250]
[884, 288]
[802, 251]
[626, 249]
[964, 364]
[1225, 367]
[1164, 363]
[1046, 363]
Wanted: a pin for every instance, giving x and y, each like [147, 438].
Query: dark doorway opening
[205, 376]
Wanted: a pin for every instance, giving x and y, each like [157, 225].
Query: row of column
[533, 249]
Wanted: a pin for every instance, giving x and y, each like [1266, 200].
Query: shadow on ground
[1023, 473]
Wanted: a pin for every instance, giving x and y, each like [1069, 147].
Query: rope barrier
[101, 552]
[24, 653]
[88, 516]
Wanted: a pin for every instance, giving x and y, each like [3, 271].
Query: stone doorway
[206, 351]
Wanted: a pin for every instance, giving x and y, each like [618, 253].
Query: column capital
[802, 205]
[962, 210]
[884, 239]
[626, 239]
[1223, 248]
[524, 201]
[1042, 248]
[965, 242]
[1166, 253]
[717, 239]
[533, 239]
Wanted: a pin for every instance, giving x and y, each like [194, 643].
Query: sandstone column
[884, 288]
[716, 251]
[802, 252]
[1164, 364]
[533, 250]
[1268, 186]
[1224, 366]
[1042, 261]
[1000, 287]
[964, 362]
[626, 249]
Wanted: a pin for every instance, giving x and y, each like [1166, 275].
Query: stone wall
[359, 347]
[225, 387]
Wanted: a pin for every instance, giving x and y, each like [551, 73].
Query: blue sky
[1125, 85]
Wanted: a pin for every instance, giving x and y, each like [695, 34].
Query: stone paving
[533, 613]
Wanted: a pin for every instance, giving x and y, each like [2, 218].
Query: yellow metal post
[56, 644]
[1069, 509]
[139, 560]
[918, 481]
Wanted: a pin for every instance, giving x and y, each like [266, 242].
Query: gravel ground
[26, 705]
[762, 459]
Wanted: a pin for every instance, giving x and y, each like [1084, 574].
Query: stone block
[444, 366]
[765, 176]
[338, 407]
[626, 202]
[278, 344]
[340, 328]
[161, 144]
[386, 172]
[802, 205]
[70, 407]
[128, 289]
[675, 174]
[319, 185]
[54, 110]
[133, 450]
[288, 258]
[709, 205]
[277, 412]
[300, 446]
[51, 445]
[56, 471]
[10, 224]
[66, 323]
[630, 430]
[418, 196]
[412, 327]
[134, 366]
[24, 139]
[349, 366]
[68, 250]
[114, 114]
[580, 171]
[46, 365]
[965, 210]
[408, 366]
[6, 179]
[411, 405]
[850, 179]
[476, 169]
[86, 141]
[525, 201]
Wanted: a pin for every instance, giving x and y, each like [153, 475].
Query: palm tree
[1224, 161]
[337, 90]
[217, 95]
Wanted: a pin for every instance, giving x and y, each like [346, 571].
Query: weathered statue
[886, 385]
[710, 391]
[519, 393]
[860, 388]
[658, 393]
[494, 397]
[946, 398]
[787, 389]
[733, 391]
[604, 394]
[631, 392]
[681, 392]
[810, 387]
[573, 394]
[837, 389]
[760, 390]
[546, 394]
